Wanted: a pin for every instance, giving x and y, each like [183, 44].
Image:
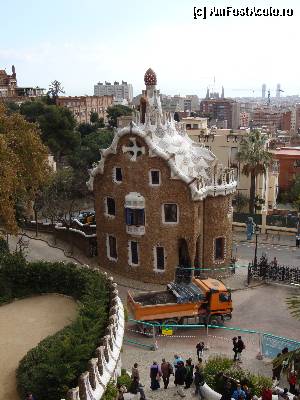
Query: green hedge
[217, 365]
[54, 366]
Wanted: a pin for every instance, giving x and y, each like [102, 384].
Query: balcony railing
[135, 230]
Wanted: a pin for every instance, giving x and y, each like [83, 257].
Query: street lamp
[257, 231]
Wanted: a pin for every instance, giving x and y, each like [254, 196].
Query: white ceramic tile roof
[189, 161]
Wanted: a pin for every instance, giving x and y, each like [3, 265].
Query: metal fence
[287, 221]
[272, 271]
[243, 217]
[219, 337]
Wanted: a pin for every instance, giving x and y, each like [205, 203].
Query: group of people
[236, 390]
[185, 373]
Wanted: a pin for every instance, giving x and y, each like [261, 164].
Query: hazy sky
[82, 42]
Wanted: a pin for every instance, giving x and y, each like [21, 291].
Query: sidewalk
[267, 238]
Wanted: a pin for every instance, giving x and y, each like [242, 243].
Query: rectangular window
[154, 177]
[112, 247]
[118, 174]
[160, 258]
[110, 206]
[219, 248]
[135, 216]
[134, 254]
[170, 213]
[233, 157]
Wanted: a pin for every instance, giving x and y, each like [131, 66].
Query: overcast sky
[82, 42]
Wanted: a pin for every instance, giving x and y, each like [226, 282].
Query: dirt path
[23, 324]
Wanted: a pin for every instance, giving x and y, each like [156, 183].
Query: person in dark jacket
[240, 347]
[198, 381]
[189, 367]
[137, 387]
[155, 374]
[166, 370]
[179, 378]
[235, 348]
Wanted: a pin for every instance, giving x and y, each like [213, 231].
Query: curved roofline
[198, 190]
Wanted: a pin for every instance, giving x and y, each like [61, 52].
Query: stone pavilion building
[161, 200]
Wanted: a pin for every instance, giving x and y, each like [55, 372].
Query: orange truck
[199, 302]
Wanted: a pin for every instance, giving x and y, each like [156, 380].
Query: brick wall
[136, 179]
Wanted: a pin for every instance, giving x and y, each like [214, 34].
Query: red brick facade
[200, 222]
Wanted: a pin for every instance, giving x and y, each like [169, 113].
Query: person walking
[180, 373]
[199, 381]
[155, 375]
[189, 368]
[166, 370]
[200, 348]
[137, 387]
[240, 347]
[135, 372]
[235, 348]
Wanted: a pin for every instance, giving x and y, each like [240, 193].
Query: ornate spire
[150, 77]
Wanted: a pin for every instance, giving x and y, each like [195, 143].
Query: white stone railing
[107, 363]
[135, 230]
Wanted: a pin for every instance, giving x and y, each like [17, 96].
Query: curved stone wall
[107, 363]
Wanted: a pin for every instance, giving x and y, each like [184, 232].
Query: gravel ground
[23, 324]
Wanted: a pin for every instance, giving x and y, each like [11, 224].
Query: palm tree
[255, 159]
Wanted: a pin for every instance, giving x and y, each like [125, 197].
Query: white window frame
[115, 174]
[108, 247]
[106, 207]
[155, 259]
[132, 264]
[164, 217]
[150, 177]
[219, 260]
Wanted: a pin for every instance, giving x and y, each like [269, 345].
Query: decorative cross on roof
[133, 149]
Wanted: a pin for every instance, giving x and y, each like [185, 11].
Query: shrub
[213, 367]
[124, 379]
[218, 365]
[52, 367]
[110, 392]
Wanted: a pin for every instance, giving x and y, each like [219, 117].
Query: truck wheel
[215, 320]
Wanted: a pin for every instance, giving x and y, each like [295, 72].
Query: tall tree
[55, 88]
[255, 159]
[57, 125]
[60, 196]
[23, 165]
[117, 111]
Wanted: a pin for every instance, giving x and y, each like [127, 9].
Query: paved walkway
[23, 324]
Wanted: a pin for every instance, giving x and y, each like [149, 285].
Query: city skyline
[113, 42]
